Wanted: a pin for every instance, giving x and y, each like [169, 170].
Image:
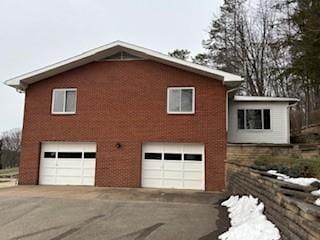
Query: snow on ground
[248, 221]
[316, 193]
[300, 181]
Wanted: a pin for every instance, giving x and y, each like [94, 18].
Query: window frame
[262, 119]
[181, 88]
[64, 101]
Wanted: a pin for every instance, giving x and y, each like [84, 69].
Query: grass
[292, 166]
[9, 171]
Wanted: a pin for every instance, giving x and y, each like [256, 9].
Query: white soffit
[22, 81]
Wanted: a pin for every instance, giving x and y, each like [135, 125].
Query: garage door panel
[152, 173]
[63, 163]
[48, 163]
[173, 165]
[173, 174]
[88, 181]
[193, 184]
[192, 175]
[65, 180]
[152, 147]
[88, 172]
[192, 166]
[89, 163]
[69, 172]
[172, 148]
[193, 148]
[152, 164]
[148, 182]
[48, 171]
[172, 183]
[50, 180]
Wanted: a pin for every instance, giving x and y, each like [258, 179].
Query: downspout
[288, 121]
[227, 106]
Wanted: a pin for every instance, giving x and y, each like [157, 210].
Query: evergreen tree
[182, 54]
[304, 45]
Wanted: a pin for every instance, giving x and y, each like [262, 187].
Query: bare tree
[10, 148]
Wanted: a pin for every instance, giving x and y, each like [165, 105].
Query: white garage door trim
[67, 163]
[179, 174]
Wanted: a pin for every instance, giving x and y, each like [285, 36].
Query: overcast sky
[36, 33]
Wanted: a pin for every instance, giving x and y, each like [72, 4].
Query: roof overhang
[264, 99]
[21, 82]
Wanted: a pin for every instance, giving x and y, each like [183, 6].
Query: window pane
[71, 101]
[186, 100]
[193, 157]
[240, 119]
[152, 156]
[172, 156]
[49, 154]
[58, 101]
[89, 155]
[70, 155]
[174, 100]
[266, 118]
[254, 120]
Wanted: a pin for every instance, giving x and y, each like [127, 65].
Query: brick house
[125, 116]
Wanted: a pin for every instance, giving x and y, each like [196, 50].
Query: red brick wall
[125, 102]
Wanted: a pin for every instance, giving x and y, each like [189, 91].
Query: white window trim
[180, 88]
[252, 129]
[64, 100]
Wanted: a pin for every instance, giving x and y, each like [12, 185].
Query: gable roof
[264, 99]
[21, 82]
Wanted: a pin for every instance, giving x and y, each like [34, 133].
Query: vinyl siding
[279, 132]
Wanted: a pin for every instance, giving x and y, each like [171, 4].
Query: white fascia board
[263, 99]
[101, 52]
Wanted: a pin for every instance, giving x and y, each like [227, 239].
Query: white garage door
[169, 165]
[67, 163]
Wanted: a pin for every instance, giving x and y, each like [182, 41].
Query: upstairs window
[254, 119]
[64, 101]
[180, 100]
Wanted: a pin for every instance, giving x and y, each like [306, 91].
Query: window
[153, 156]
[172, 156]
[50, 155]
[254, 119]
[89, 155]
[180, 100]
[193, 157]
[64, 101]
[70, 155]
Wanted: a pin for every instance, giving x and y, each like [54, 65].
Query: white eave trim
[263, 99]
[96, 54]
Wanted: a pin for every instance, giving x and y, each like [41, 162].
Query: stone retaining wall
[288, 206]
[246, 154]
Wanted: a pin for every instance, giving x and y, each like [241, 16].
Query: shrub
[292, 166]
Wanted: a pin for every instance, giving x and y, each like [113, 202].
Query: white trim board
[21, 82]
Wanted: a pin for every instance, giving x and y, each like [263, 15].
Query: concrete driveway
[38, 212]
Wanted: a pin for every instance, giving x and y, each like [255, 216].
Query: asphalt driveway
[38, 212]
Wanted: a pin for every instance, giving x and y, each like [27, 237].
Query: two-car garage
[164, 165]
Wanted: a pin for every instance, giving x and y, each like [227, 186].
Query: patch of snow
[248, 221]
[300, 180]
[280, 176]
[316, 192]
